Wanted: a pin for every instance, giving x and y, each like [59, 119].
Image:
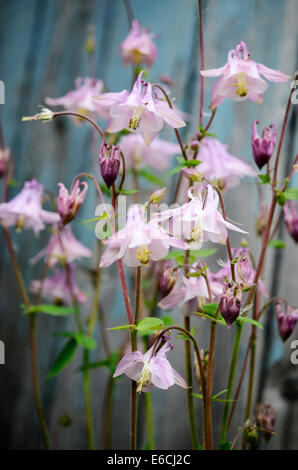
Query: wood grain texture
[41, 54]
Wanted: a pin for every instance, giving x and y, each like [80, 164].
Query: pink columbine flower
[69, 203]
[137, 154]
[138, 47]
[291, 219]
[81, 100]
[139, 111]
[286, 320]
[244, 272]
[218, 163]
[263, 147]
[139, 241]
[149, 371]
[240, 78]
[199, 220]
[189, 289]
[55, 288]
[25, 210]
[64, 247]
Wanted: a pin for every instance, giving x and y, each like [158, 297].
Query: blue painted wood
[41, 54]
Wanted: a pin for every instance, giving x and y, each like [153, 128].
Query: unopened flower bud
[194, 145]
[109, 161]
[265, 418]
[45, 115]
[4, 161]
[262, 219]
[193, 175]
[157, 196]
[286, 320]
[230, 302]
[69, 204]
[251, 433]
[263, 147]
[167, 281]
[291, 219]
[244, 269]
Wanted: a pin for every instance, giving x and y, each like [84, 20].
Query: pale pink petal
[272, 75]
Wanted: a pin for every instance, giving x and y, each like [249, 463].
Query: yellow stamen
[20, 223]
[145, 378]
[136, 118]
[143, 255]
[241, 85]
[196, 233]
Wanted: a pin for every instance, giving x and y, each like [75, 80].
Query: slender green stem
[149, 421]
[190, 401]
[223, 434]
[209, 383]
[88, 405]
[134, 400]
[32, 336]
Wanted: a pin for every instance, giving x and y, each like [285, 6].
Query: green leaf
[277, 244]
[175, 170]
[83, 340]
[150, 323]
[219, 320]
[188, 163]
[151, 177]
[128, 192]
[110, 362]
[281, 198]
[291, 194]
[220, 393]
[95, 219]
[251, 321]
[104, 189]
[265, 178]
[225, 445]
[49, 309]
[64, 358]
[122, 327]
[203, 253]
[210, 309]
[167, 320]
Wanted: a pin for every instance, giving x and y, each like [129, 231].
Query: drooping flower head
[137, 154]
[81, 100]
[218, 163]
[63, 247]
[150, 370]
[265, 418]
[240, 78]
[69, 203]
[230, 302]
[291, 219]
[244, 272]
[199, 220]
[139, 241]
[263, 147]
[59, 288]
[109, 162]
[140, 111]
[286, 320]
[25, 210]
[191, 289]
[138, 47]
[168, 279]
